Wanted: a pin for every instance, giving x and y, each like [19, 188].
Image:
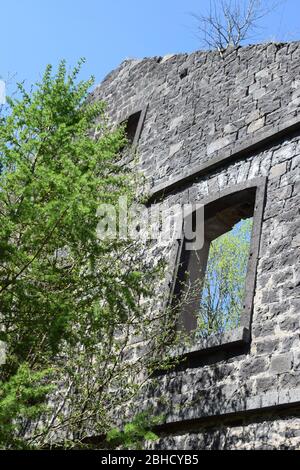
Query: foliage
[22, 396]
[224, 285]
[135, 433]
[68, 300]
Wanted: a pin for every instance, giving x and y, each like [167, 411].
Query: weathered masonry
[225, 132]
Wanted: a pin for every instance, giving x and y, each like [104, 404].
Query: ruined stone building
[225, 132]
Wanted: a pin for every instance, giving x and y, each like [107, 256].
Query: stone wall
[237, 118]
[200, 104]
[271, 433]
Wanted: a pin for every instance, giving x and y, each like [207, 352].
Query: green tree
[224, 284]
[69, 301]
[135, 433]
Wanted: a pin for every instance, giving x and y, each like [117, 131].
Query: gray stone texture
[261, 434]
[213, 109]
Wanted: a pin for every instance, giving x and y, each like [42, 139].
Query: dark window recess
[183, 73]
[212, 282]
[131, 127]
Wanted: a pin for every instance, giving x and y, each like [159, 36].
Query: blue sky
[36, 32]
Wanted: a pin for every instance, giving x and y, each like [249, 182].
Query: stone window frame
[143, 111]
[240, 336]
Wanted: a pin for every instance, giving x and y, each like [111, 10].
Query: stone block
[218, 144]
[175, 148]
[256, 125]
[278, 170]
[281, 363]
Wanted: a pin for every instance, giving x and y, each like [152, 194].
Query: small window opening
[183, 73]
[211, 283]
[131, 127]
